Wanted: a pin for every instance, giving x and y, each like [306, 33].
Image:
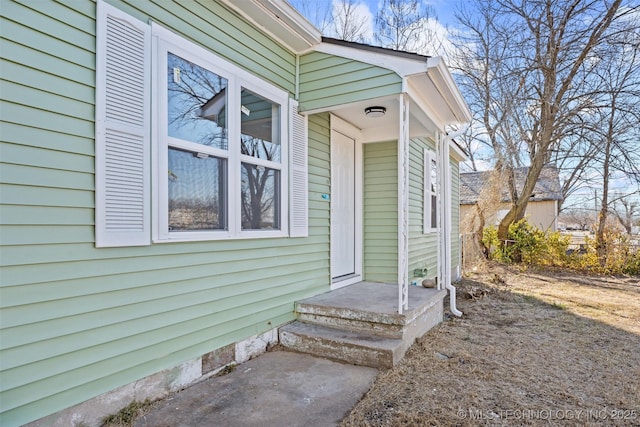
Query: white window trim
[164, 40]
[429, 156]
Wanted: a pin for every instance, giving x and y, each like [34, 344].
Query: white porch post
[403, 205]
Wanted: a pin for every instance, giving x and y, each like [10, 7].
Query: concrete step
[350, 321]
[360, 324]
[346, 346]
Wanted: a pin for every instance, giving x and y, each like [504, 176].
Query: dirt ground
[532, 348]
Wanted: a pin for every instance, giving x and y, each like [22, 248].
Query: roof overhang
[435, 101]
[280, 20]
[402, 63]
[449, 106]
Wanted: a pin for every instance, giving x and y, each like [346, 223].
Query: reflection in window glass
[260, 120]
[434, 221]
[260, 193]
[434, 206]
[434, 175]
[197, 103]
[197, 200]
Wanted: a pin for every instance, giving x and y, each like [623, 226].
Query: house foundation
[160, 384]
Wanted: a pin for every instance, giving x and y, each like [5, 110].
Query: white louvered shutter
[122, 129]
[298, 173]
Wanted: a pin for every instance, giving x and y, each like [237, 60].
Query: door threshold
[346, 280]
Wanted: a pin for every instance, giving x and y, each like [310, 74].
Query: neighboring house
[542, 209]
[175, 175]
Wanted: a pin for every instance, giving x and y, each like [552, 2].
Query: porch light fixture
[375, 111]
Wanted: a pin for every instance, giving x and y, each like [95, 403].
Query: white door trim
[341, 126]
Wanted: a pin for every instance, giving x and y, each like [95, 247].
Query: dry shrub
[619, 256]
[530, 246]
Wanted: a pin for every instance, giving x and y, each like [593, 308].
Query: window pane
[434, 207]
[197, 103]
[197, 199]
[434, 175]
[260, 198]
[260, 120]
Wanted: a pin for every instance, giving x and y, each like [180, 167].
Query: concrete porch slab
[371, 302]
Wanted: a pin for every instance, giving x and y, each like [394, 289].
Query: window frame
[163, 42]
[428, 207]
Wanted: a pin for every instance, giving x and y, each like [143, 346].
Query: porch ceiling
[387, 127]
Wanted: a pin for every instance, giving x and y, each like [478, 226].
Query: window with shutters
[223, 151]
[430, 192]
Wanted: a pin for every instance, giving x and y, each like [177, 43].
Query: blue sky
[444, 9]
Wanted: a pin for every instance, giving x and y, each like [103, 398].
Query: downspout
[445, 223]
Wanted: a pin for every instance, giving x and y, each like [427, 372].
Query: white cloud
[359, 18]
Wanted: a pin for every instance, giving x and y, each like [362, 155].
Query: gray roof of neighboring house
[547, 187]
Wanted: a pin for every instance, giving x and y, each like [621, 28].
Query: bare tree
[319, 12]
[348, 21]
[474, 143]
[578, 217]
[405, 25]
[574, 158]
[618, 111]
[529, 63]
[627, 212]
[491, 87]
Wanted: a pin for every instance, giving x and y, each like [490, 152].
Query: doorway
[346, 207]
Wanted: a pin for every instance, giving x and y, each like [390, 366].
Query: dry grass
[533, 348]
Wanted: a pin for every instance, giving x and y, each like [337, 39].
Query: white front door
[344, 223]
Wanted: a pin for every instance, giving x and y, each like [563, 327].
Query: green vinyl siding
[79, 321]
[380, 188]
[423, 248]
[210, 24]
[320, 182]
[455, 215]
[327, 81]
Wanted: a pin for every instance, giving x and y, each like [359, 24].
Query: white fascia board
[401, 66]
[280, 20]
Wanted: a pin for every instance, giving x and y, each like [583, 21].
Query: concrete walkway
[275, 389]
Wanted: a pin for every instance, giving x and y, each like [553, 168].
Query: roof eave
[280, 20]
[442, 77]
[402, 65]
